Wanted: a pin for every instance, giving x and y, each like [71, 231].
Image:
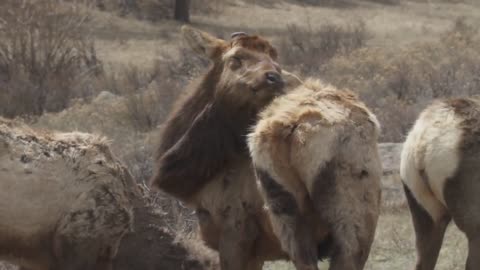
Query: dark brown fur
[429, 234]
[205, 131]
[461, 191]
[302, 246]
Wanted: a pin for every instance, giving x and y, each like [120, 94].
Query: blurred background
[114, 67]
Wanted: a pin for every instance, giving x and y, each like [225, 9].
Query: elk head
[247, 74]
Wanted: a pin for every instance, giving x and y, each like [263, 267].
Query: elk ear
[202, 43]
[291, 80]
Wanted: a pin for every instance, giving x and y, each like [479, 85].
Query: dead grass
[394, 245]
[307, 50]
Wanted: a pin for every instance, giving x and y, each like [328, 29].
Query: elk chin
[267, 94]
[247, 98]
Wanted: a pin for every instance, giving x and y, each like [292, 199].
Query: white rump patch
[432, 146]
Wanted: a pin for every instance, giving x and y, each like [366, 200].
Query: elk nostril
[273, 77]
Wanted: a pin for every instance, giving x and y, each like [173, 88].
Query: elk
[63, 199]
[67, 203]
[204, 160]
[205, 132]
[203, 157]
[316, 158]
[440, 176]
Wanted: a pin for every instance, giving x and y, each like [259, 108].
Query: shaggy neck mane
[201, 100]
[200, 138]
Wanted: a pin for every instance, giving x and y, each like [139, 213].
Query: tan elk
[203, 159]
[440, 170]
[315, 155]
[66, 203]
[63, 200]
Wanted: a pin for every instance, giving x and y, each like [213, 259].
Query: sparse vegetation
[157, 10]
[398, 84]
[395, 83]
[46, 57]
[307, 50]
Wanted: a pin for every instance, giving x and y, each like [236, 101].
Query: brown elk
[206, 130]
[440, 172]
[315, 155]
[204, 160]
[203, 156]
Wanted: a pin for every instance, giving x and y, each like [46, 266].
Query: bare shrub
[149, 93]
[386, 2]
[44, 54]
[144, 96]
[398, 84]
[156, 10]
[208, 6]
[153, 10]
[307, 50]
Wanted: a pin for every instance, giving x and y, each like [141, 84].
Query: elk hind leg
[350, 210]
[428, 233]
[461, 196]
[294, 232]
[350, 250]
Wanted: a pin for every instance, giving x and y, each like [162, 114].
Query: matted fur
[64, 199]
[154, 245]
[440, 171]
[315, 155]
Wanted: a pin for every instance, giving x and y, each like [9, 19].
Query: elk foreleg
[237, 241]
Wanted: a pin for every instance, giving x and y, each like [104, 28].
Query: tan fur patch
[314, 109]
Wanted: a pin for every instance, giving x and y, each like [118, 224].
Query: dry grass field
[397, 55]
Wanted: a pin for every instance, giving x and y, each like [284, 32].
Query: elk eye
[236, 62]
